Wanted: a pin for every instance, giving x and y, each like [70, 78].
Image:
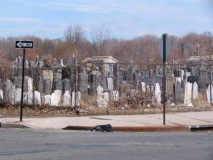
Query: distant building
[104, 64]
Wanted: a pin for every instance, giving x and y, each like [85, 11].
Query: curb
[12, 125]
[135, 129]
[201, 128]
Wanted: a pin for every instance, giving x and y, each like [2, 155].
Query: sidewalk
[150, 120]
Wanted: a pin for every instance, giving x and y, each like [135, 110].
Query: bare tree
[100, 41]
[74, 34]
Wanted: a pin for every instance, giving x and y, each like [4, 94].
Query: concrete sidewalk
[172, 119]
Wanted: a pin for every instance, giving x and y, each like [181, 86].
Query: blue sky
[125, 19]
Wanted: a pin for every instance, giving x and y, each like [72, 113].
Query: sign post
[24, 45]
[164, 52]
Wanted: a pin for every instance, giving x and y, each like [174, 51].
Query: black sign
[24, 44]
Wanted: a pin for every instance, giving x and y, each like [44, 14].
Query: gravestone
[56, 98]
[157, 70]
[17, 95]
[47, 100]
[9, 92]
[181, 73]
[28, 98]
[48, 74]
[19, 62]
[83, 83]
[66, 85]
[100, 100]
[1, 96]
[31, 64]
[116, 96]
[76, 101]
[37, 98]
[129, 73]
[57, 81]
[47, 86]
[169, 86]
[26, 64]
[195, 91]
[67, 99]
[106, 97]
[158, 79]
[110, 84]
[176, 73]
[157, 93]
[28, 84]
[202, 78]
[104, 83]
[194, 70]
[143, 86]
[97, 79]
[133, 92]
[145, 79]
[188, 93]
[40, 85]
[178, 90]
[38, 80]
[209, 95]
[124, 75]
[17, 81]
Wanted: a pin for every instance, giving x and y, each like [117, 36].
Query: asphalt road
[28, 144]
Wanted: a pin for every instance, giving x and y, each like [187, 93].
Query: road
[29, 144]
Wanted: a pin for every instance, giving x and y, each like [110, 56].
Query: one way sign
[24, 44]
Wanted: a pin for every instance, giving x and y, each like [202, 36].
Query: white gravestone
[28, 84]
[106, 96]
[157, 93]
[110, 84]
[1, 96]
[208, 94]
[116, 96]
[143, 85]
[37, 98]
[17, 95]
[100, 100]
[188, 93]
[195, 91]
[67, 99]
[47, 99]
[56, 98]
[76, 100]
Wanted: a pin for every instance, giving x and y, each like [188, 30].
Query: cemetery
[101, 82]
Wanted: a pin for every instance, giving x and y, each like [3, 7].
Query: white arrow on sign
[19, 44]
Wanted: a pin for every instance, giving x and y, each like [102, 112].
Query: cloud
[19, 19]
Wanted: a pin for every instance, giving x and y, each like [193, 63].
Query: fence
[117, 86]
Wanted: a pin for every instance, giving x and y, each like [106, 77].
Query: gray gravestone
[158, 79]
[57, 81]
[83, 83]
[202, 78]
[169, 86]
[47, 86]
[17, 81]
[177, 90]
[66, 85]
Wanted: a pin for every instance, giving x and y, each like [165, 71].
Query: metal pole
[211, 84]
[22, 88]
[164, 79]
[76, 78]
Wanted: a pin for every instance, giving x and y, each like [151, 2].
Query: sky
[125, 19]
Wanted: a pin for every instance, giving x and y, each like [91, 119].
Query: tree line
[141, 50]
